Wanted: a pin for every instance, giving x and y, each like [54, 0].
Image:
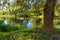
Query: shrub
[8, 28]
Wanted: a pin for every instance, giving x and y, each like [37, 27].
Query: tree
[49, 15]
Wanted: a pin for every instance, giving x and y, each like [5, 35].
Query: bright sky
[58, 1]
[11, 0]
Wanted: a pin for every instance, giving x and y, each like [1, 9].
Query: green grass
[16, 33]
[24, 34]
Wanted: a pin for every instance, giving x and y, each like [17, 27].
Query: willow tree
[49, 15]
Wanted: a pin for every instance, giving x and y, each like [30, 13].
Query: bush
[8, 28]
[25, 34]
[14, 35]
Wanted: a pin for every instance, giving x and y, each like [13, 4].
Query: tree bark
[49, 15]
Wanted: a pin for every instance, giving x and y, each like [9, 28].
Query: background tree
[49, 15]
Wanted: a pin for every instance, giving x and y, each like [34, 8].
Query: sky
[58, 1]
[11, 0]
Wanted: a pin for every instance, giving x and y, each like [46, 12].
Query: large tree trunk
[48, 15]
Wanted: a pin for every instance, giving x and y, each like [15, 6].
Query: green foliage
[7, 28]
[24, 34]
[24, 15]
[4, 28]
[12, 32]
[38, 20]
[15, 35]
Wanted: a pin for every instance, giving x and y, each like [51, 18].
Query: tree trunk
[49, 15]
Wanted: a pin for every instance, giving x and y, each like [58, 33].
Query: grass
[14, 33]
[26, 34]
